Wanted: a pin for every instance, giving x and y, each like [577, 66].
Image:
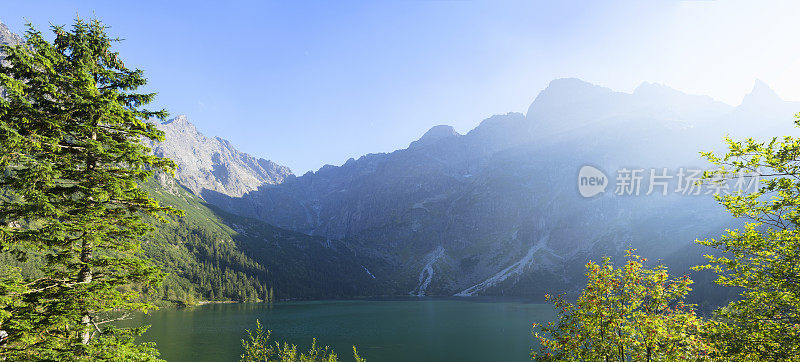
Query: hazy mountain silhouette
[497, 211]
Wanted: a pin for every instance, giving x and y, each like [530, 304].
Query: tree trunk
[85, 276]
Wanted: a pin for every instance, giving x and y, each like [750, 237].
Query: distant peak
[570, 83]
[570, 87]
[761, 88]
[565, 92]
[7, 37]
[180, 121]
[761, 94]
[181, 118]
[440, 131]
[434, 134]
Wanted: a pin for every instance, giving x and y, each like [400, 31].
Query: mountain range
[496, 211]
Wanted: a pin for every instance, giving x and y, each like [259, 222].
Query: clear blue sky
[309, 83]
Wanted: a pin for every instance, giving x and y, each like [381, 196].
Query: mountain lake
[418, 329]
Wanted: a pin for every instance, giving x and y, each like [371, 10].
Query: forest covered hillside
[212, 255]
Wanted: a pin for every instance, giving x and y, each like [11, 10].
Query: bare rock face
[211, 166]
[7, 37]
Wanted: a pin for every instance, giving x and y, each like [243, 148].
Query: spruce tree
[71, 131]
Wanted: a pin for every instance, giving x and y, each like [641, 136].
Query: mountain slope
[212, 255]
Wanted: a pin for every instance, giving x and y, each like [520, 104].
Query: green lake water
[383, 330]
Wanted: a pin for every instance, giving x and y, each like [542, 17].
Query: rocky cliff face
[211, 167]
[7, 37]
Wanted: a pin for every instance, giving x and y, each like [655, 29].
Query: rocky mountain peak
[566, 93]
[180, 122]
[7, 37]
[761, 94]
[435, 134]
[180, 119]
[563, 89]
[213, 167]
